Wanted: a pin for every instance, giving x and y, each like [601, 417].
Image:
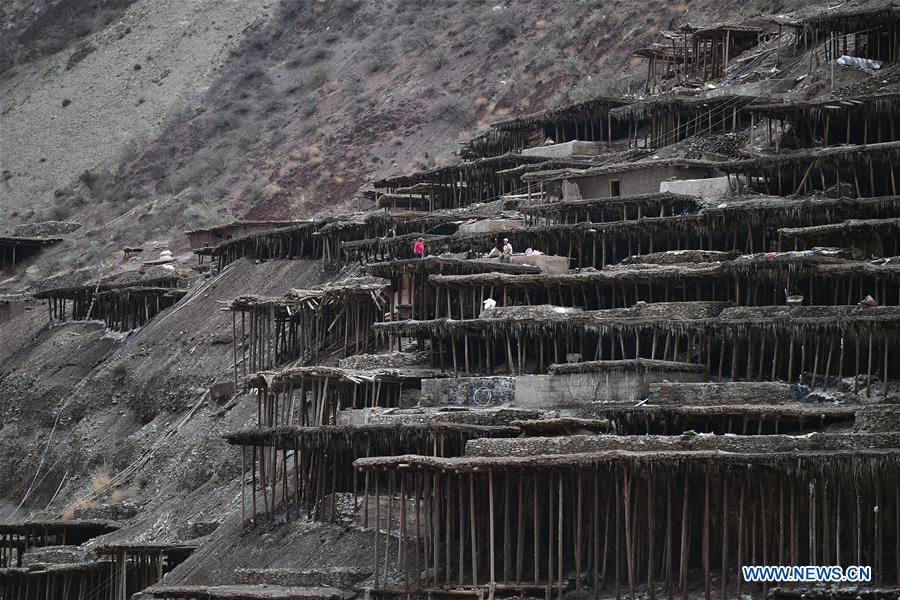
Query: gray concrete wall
[643, 181]
[572, 391]
[486, 225]
[713, 188]
[10, 309]
[547, 263]
[355, 416]
[566, 149]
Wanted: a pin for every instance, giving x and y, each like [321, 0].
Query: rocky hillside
[144, 119]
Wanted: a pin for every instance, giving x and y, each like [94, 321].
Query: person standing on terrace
[419, 248]
[507, 251]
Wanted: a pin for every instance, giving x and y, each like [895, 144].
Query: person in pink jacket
[419, 248]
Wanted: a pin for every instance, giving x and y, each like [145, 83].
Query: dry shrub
[141, 480]
[381, 58]
[504, 24]
[418, 41]
[434, 59]
[101, 481]
[318, 76]
[452, 110]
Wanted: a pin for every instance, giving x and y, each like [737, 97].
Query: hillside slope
[188, 114]
[82, 106]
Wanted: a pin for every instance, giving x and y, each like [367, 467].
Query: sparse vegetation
[587, 88]
[119, 372]
[36, 33]
[318, 76]
[201, 215]
[451, 109]
[82, 51]
[210, 162]
[346, 8]
[418, 41]
[434, 59]
[57, 213]
[100, 481]
[140, 480]
[380, 58]
[505, 24]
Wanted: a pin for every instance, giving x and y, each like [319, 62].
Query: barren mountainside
[179, 116]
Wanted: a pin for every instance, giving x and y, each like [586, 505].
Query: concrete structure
[356, 416]
[485, 225]
[566, 149]
[626, 179]
[547, 263]
[11, 308]
[221, 392]
[711, 188]
[618, 381]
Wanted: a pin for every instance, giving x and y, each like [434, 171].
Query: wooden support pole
[472, 529]
[685, 537]
[629, 544]
[491, 528]
[706, 533]
[560, 556]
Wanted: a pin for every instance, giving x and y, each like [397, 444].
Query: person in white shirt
[507, 251]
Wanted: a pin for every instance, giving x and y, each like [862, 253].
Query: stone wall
[391, 360]
[46, 228]
[713, 394]
[884, 417]
[53, 555]
[462, 415]
[344, 577]
[476, 392]
[108, 512]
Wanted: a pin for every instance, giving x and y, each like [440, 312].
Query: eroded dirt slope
[81, 107]
[97, 402]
